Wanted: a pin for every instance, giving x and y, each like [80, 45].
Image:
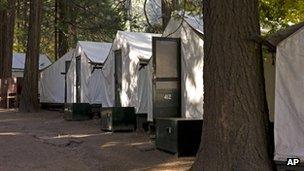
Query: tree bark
[235, 130]
[7, 18]
[29, 95]
[2, 56]
[63, 11]
[56, 30]
[2, 37]
[10, 37]
[168, 6]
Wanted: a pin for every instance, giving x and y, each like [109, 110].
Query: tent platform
[118, 119]
[141, 122]
[96, 109]
[179, 136]
[77, 111]
[52, 106]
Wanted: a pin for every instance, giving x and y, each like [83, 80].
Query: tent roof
[140, 44]
[96, 52]
[19, 61]
[196, 22]
[282, 34]
[66, 57]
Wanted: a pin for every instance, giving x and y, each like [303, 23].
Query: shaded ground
[44, 141]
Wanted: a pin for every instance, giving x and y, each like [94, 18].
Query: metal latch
[168, 96]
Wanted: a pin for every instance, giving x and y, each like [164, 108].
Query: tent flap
[52, 81]
[92, 81]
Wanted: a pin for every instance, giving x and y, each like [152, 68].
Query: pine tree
[235, 133]
[29, 95]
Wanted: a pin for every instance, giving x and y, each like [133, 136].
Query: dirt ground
[45, 141]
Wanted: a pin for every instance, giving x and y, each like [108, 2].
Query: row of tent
[97, 84]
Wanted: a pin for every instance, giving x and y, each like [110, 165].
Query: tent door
[67, 66]
[166, 77]
[78, 79]
[118, 77]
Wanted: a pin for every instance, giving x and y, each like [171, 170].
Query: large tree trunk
[56, 4]
[235, 134]
[10, 37]
[7, 18]
[63, 11]
[168, 6]
[29, 95]
[3, 20]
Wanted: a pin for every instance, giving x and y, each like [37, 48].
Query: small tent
[18, 63]
[289, 92]
[190, 31]
[85, 80]
[126, 71]
[53, 80]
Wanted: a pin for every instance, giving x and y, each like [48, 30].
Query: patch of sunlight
[133, 76]
[11, 120]
[174, 166]
[9, 133]
[7, 110]
[195, 89]
[175, 163]
[125, 101]
[73, 136]
[80, 135]
[110, 144]
[138, 143]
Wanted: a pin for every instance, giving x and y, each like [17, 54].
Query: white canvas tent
[190, 30]
[289, 93]
[135, 90]
[92, 56]
[52, 80]
[18, 63]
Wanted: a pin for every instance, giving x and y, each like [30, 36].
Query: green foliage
[21, 26]
[89, 20]
[276, 14]
[99, 20]
[47, 45]
[193, 6]
[3, 5]
[95, 20]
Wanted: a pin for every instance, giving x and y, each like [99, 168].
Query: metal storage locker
[118, 119]
[77, 111]
[179, 136]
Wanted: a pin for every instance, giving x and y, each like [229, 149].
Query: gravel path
[45, 141]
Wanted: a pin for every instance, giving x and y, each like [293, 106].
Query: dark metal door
[118, 77]
[78, 79]
[67, 66]
[166, 77]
